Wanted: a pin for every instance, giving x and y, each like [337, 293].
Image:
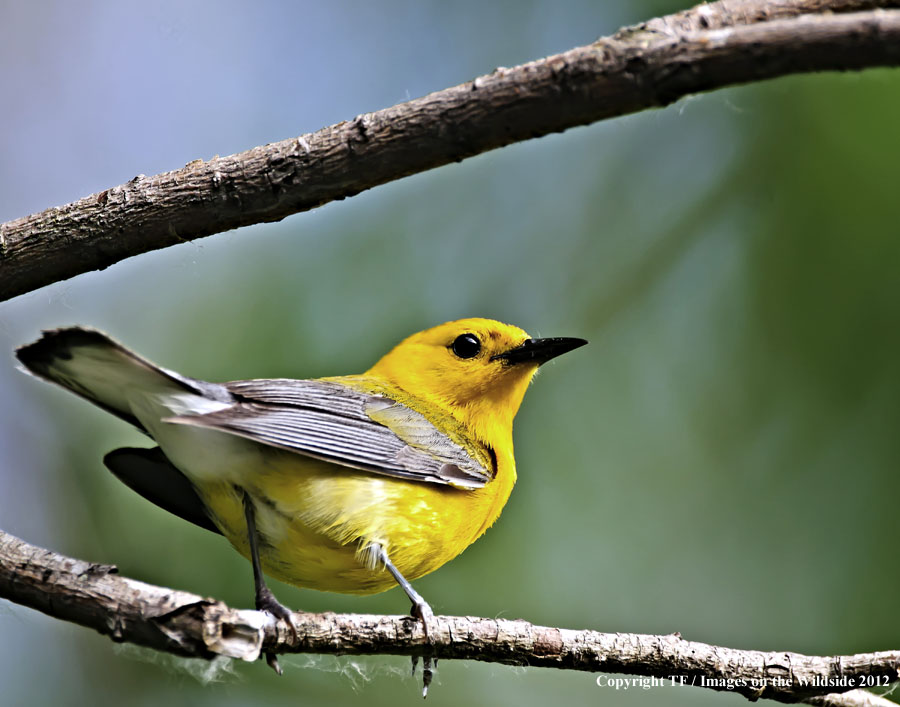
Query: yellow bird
[346, 484]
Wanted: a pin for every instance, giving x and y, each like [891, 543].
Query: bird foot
[421, 611]
[266, 601]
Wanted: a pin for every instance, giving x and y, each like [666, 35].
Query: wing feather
[330, 421]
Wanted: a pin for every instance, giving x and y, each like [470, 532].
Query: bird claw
[266, 601]
[429, 665]
[272, 662]
[422, 612]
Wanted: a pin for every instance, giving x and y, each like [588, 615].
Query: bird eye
[466, 346]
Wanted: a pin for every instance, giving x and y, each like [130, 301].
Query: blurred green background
[720, 461]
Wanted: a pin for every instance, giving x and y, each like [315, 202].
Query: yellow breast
[315, 519]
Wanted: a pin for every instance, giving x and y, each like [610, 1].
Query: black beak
[538, 350]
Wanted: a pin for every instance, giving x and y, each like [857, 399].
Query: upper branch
[188, 625]
[730, 13]
[646, 66]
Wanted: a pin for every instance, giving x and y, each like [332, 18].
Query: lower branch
[189, 625]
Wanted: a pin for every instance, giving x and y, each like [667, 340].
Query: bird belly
[316, 519]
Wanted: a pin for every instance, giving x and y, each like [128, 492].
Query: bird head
[475, 369]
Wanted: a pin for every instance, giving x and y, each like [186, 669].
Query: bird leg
[265, 600]
[420, 610]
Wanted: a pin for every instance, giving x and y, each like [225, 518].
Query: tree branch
[646, 66]
[731, 13]
[188, 625]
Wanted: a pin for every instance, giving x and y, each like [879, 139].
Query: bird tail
[101, 370]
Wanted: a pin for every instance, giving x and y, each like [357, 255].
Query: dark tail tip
[57, 344]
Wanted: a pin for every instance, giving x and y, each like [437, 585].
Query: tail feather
[92, 365]
[150, 473]
[101, 370]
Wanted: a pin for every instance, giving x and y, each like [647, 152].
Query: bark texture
[185, 624]
[649, 65]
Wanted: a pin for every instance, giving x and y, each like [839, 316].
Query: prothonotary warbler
[345, 484]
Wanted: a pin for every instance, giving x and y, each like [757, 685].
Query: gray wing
[332, 422]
